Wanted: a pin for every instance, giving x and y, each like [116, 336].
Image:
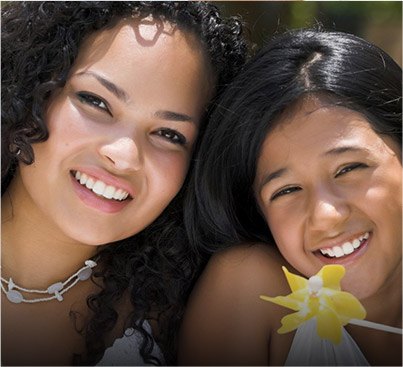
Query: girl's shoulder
[261, 256]
[249, 268]
[225, 312]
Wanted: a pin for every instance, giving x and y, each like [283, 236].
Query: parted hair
[220, 207]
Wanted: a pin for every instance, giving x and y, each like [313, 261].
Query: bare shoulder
[246, 255]
[248, 267]
[226, 322]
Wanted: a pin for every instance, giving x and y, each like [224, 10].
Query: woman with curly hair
[102, 103]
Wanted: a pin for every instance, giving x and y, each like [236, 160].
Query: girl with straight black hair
[303, 151]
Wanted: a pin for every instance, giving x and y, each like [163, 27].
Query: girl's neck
[385, 306]
[34, 251]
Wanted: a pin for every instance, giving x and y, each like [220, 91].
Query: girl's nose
[328, 210]
[123, 154]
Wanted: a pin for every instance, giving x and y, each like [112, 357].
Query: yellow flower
[319, 296]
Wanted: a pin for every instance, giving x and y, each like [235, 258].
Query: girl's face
[121, 132]
[330, 190]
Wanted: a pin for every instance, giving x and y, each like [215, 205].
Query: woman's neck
[34, 251]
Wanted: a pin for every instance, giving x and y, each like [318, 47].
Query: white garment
[308, 349]
[125, 351]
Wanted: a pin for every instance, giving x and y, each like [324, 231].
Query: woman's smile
[98, 194]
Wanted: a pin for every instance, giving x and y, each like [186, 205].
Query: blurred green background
[379, 22]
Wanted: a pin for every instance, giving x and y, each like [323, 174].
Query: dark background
[379, 22]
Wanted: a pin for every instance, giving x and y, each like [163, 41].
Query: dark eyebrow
[174, 116]
[113, 88]
[348, 148]
[339, 150]
[121, 94]
[272, 176]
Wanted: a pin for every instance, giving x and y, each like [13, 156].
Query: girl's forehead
[313, 116]
[309, 104]
[313, 129]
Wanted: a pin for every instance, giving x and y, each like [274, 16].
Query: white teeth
[100, 188]
[118, 195]
[346, 248]
[83, 179]
[330, 252]
[109, 192]
[90, 183]
[338, 251]
[356, 244]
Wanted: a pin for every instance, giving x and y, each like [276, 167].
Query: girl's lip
[89, 198]
[345, 258]
[100, 174]
[339, 242]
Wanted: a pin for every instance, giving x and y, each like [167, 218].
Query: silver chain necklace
[55, 290]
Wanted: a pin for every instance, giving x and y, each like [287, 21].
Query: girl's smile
[343, 251]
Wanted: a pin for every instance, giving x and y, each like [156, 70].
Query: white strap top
[308, 349]
[125, 351]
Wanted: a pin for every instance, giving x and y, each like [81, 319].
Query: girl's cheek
[275, 228]
[285, 231]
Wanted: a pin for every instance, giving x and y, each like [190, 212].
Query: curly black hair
[40, 42]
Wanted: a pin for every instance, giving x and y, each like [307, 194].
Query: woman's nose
[123, 154]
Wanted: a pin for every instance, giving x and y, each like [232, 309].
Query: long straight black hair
[220, 207]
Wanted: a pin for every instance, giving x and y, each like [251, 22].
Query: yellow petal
[332, 275]
[346, 306]
[332, 307]
[287, 301]
[329, 325]
[302, 295]
[296, 282]
[291, 322]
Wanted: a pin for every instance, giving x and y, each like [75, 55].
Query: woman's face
[330, 190]
[121, 132]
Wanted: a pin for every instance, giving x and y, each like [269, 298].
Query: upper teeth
[346, 248]
[101, 188]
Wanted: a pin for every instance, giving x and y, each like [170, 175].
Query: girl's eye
[93, 101]
[285, 191]
[172, 136]
[350, 167]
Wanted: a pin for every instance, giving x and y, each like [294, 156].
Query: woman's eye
[93, 101]
[349, 168]
[172, 135]
[285, 191]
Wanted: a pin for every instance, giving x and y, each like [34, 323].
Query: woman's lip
[346, 258]
[89, 198]
[108, 179]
